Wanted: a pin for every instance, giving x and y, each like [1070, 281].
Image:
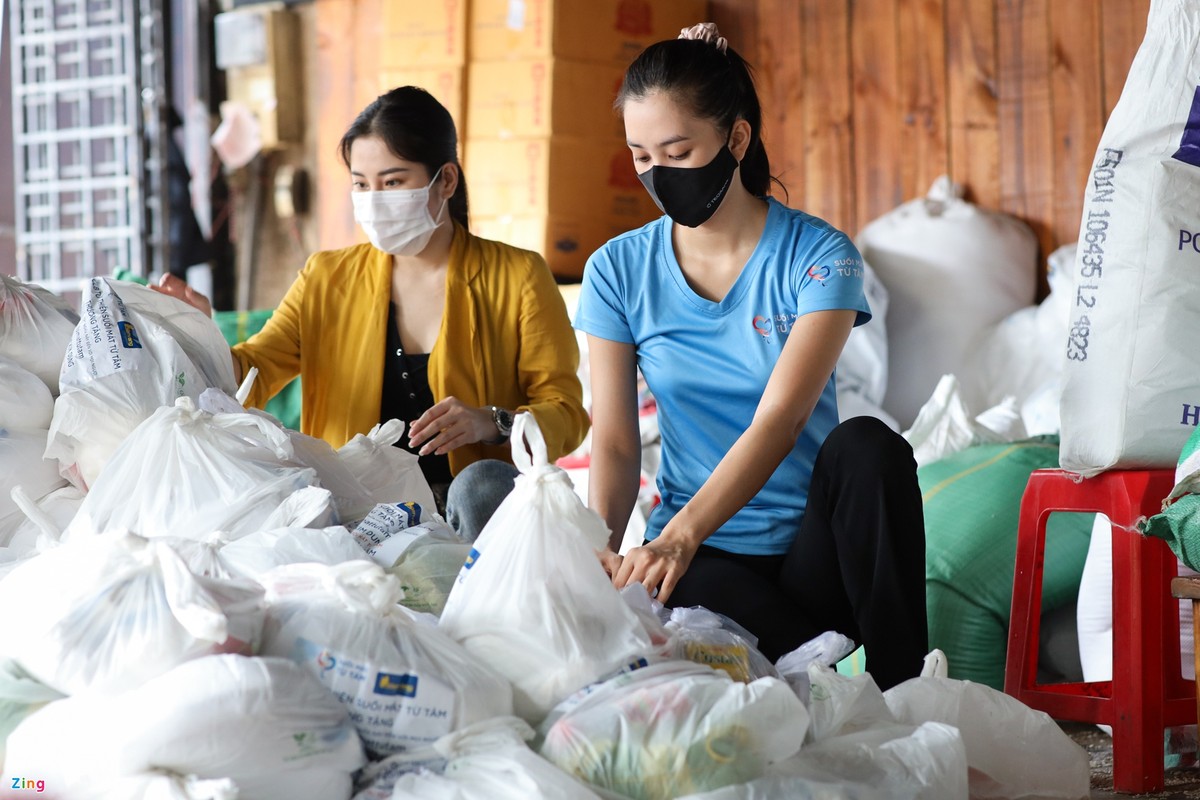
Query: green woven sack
[237, 327]
[972, 502]
[1179, 522]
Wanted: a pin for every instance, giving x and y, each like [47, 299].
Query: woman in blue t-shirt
[736, 309]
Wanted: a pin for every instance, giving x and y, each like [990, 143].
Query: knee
[475, 494]
[868, 440]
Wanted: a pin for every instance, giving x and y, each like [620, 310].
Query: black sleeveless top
[406, 396]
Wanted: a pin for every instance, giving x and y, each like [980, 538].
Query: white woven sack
[532, 600]
[951, 270]
[1131, 395]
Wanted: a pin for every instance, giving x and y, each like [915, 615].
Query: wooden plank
[922, 94]
[779, 76]
[1026, 120]
[335, 48]
[1078, 110]
[973, 124]
[826, 117]
[878, 124]
[1123, 26]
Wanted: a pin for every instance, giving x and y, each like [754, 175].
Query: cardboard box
[423, 33]
[559, 176]
[259, 51]
[609, 31]
[445, 83]
[544, 96]
[565, 243]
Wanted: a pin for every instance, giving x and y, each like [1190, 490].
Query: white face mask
[397, 221]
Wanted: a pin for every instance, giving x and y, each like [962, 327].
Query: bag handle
[525, 431]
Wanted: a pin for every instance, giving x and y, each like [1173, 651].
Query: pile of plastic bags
[217, 607]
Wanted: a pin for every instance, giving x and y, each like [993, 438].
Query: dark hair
[415, 127]
[713, 85]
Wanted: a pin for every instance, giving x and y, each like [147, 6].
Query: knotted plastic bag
[532, 600]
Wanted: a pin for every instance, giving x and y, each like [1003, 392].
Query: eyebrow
[664, 143]
[388, 171]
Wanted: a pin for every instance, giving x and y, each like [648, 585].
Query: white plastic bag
[1012, 750]
[840, 705]
[945, 426]
[826, 649]
[389, 474]
[20, 696]
[133, 351]
[672, 729]
[260, 722]
[25, 401]
[185, 472]
[253, 555]
[488, 761]
[167, 786]
[405, 685]
[891, 762]
[21, 464]
[1130, 397]
[35, 328]
[708, 638]
[109, 613]
[532, 600]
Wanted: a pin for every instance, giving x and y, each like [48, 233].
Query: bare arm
[792, 392]
[616, 440]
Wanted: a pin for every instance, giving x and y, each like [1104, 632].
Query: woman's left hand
[449, 424]
[660, 563]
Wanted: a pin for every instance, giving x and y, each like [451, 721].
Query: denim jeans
[476, 493]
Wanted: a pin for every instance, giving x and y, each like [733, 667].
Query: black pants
[856, 567]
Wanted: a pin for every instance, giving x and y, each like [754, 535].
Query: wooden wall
[866, 102]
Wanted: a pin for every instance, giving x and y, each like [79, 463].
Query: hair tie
[706, 32]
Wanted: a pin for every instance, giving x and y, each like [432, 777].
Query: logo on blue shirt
[818, 272]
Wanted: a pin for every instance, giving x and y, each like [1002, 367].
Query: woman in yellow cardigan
[429, 324]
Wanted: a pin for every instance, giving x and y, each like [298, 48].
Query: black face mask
[690, 195]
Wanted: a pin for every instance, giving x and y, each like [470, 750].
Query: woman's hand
[450, 424]
[170, 285]
[660, 563]
[610, 561]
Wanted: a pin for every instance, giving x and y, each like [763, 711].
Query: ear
[739, 138]
[448, 182]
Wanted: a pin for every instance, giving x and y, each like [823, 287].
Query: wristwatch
[503, 419]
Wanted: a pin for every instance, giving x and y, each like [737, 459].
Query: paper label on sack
[389, 530]
[393, 710]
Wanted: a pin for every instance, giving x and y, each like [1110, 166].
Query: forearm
[739, 476]
[613, 482]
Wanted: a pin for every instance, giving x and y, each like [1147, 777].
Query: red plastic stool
[1147, 693]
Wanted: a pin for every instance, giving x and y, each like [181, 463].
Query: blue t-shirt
[708, 363]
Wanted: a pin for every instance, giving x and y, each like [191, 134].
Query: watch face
[503, 420]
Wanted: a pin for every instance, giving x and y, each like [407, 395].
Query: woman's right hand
[170, 285]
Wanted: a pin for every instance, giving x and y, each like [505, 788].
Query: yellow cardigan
[505, 340]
